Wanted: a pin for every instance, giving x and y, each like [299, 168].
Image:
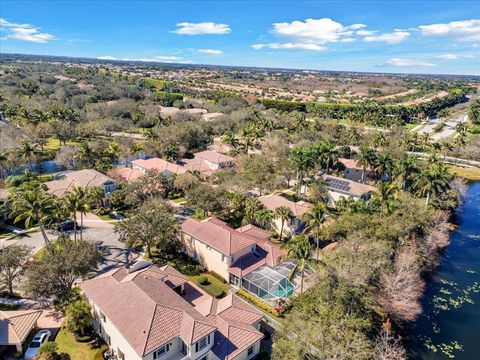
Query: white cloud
[297, 46]
[452, 57]
[318, 31]
[106, 57]
[405, 63]
[210, 51]
[390, 38]
[465, 30]
[188, 28]
[365, 32]
[161, 58]
[24, 32]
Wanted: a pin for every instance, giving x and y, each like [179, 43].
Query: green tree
[78, 316]
[302, 160]
[407, 168]
[433, 182]
[300, 249]
[315, 220]
[11, 264]
[365, 158]
[285, 215]
[34, 207]
[78, 202]
[152, 225]
[27, 151]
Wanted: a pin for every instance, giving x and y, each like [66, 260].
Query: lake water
[450, 325]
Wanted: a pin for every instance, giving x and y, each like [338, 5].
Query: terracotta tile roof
[218, 235]
[145, 309]
[16, 325]
[234, 319]
[273, 202]
[352, 164]
[159, 165]
[126, 174]
[255, 232]
[86, 178]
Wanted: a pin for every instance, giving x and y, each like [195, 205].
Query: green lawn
[78, 351]
[467, 173]
[211, 285]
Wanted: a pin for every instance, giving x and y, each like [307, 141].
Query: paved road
[447, 130]
[95, 229]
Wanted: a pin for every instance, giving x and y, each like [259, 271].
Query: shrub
[258, 303]
[217, 276]
[203, 280]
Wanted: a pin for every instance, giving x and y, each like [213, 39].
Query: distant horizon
[376, 36]
[139, 62]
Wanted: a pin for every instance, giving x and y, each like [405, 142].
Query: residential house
[148, 312]
[125, 174]
[340, 187]
[353, 171]
[235, 254]
[16, 326]
[65, 182]
[296, 225]
[204, 162]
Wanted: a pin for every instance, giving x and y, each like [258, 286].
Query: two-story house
[148, 312]
[296, 224]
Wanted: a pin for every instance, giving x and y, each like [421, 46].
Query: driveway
[447, 131]
[95, 229]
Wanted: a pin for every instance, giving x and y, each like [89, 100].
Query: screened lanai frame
[268, 284]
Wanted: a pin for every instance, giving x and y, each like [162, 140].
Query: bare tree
[388, 347]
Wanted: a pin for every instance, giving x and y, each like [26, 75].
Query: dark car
[67, 225]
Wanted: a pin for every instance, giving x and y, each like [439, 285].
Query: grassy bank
[466, 173]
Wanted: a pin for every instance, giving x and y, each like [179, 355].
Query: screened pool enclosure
[268, 284]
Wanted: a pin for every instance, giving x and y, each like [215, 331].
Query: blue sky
[440, 37]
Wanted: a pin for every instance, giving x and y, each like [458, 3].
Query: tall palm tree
[385, 164]
[285, 215]
[33, 206]
[113, 151]
[387, 195]
[329, 155]
[27, 150]
[264, 218]
[302, 159]
[379, 139]
[407, 166]
[365, 158]
[251, 206]
[315, 219]
[433, 182]
[461, 127]
[77, 201]
[299, 248]
[85, 152]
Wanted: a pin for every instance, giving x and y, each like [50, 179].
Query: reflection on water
[450, 325]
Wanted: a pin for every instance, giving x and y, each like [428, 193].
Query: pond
[450, 324]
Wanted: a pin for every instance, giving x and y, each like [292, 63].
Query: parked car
[67, 225]
[40, 338]
[118, 215]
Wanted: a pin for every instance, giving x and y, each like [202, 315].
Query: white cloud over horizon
[24, 32]
[464, 30]
[452, 56]
[399, 62]
[159, 58]
[203, 28]
[390, 38]
[210, 51]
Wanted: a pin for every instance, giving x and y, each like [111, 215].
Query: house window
[120, 354]
[161, 351]
[208, 247]
[102, 316]
[250, 351]
[202, 343]
[224, 258]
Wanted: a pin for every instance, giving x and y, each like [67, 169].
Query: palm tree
[284, 214]
[386, 195]
[461, 127]
[230, 139]
[33, 206]
[113, 151]
[379, 139]
[151, 134]
[329, 155]
[365, 158]
[264, 218]
[385, 164]
[433, 182]
[315, 219]
[27, 150]
[136, 149]
[251, 206]
[302, 159]
[77, 201]
[299, 248]
[407, 166]
[85, 152]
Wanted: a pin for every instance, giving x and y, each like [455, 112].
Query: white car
[40, 338]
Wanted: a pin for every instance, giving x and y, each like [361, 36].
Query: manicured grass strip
[211, 285]
[467, 173]
[78, 351]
